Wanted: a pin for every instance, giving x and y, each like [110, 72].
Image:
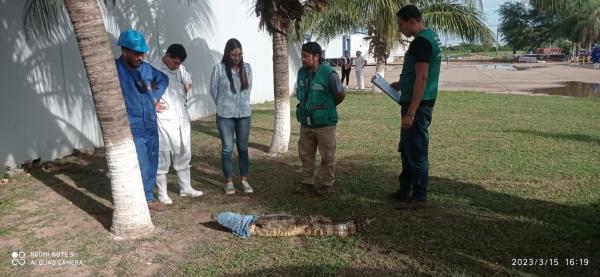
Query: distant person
[419, 88]
[319, 91]
[142, 86]
[346, 67]
[596, 57]
[174, 125]
[360, 62]
[230, 87]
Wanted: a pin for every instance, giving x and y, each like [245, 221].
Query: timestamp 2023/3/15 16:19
[550, 261]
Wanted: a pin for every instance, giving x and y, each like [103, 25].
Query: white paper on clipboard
[382, 84]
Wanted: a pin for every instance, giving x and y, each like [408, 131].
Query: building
[356, 42]
[47, 105]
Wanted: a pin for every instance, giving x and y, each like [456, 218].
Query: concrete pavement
[496, 77]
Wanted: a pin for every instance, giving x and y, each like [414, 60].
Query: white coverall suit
[360, 63]
[174, 134]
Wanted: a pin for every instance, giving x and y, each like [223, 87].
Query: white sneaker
[229, 189]
[247, 187]
[165, 199]
[192, 193]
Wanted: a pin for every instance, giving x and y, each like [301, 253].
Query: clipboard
[382, 84]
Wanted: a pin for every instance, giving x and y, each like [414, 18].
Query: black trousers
[346, 75]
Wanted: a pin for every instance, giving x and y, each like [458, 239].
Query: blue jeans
[414, 150]
[146, 147]
[230, 129]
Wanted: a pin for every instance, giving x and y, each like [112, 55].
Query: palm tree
[454, 18]
[581, 23]
[277, 18]
[131, 217]
[580, 20]
[554, 5]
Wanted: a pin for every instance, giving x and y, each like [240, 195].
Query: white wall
[47, 106]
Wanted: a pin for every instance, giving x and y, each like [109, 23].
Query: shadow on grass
[209, 128]
[86, 178]
[465, 228]
[560, 136]
[215, 226]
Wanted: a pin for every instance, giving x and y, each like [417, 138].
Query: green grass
[502, 55]
[124, 268]
[511, 177]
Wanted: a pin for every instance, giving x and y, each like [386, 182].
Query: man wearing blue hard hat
[142, 86]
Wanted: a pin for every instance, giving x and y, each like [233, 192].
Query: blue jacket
[141, 105]
[596, 55]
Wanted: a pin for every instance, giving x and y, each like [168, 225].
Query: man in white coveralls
[174, 125]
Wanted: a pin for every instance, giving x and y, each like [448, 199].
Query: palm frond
[555, 5]
[276, 16]
[342, 16]
[42, 19]
[457, 20]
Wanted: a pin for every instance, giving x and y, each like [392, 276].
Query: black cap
[312, 47]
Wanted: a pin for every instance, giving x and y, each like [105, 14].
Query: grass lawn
[512, 177]
[488, 54]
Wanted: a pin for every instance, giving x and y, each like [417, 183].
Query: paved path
[497, 77]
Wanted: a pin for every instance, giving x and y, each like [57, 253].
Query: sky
[490, 10]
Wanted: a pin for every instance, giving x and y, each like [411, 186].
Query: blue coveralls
[142, 116]
[596, 55]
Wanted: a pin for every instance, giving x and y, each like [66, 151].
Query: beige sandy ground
[495, 78]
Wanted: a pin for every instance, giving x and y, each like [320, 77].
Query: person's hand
[395, 85]
[407, 121]
[187, 87]
[161, 106]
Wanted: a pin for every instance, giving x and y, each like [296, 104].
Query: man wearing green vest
[319, 91]
[419, 87]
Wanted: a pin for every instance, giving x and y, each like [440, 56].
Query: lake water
[574, 89]
[508, 67]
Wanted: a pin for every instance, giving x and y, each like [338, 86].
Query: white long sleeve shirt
[174, 122]
[360, 62]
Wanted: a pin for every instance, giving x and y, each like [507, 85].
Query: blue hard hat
[133, 40]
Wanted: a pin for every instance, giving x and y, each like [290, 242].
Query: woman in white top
[230, 86]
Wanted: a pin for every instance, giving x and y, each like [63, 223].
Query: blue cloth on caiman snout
[237, 223]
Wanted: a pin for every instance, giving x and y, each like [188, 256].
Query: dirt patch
[74, 215]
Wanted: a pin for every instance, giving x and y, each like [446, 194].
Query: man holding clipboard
[418, 88]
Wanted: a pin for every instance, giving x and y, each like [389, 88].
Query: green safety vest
[408, 75]
[317, 104]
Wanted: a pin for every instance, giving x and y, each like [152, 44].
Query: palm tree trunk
[379, 69]
[577, 51]
[281, 128]
[131, 217]
[573, 53]
[589, 56]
